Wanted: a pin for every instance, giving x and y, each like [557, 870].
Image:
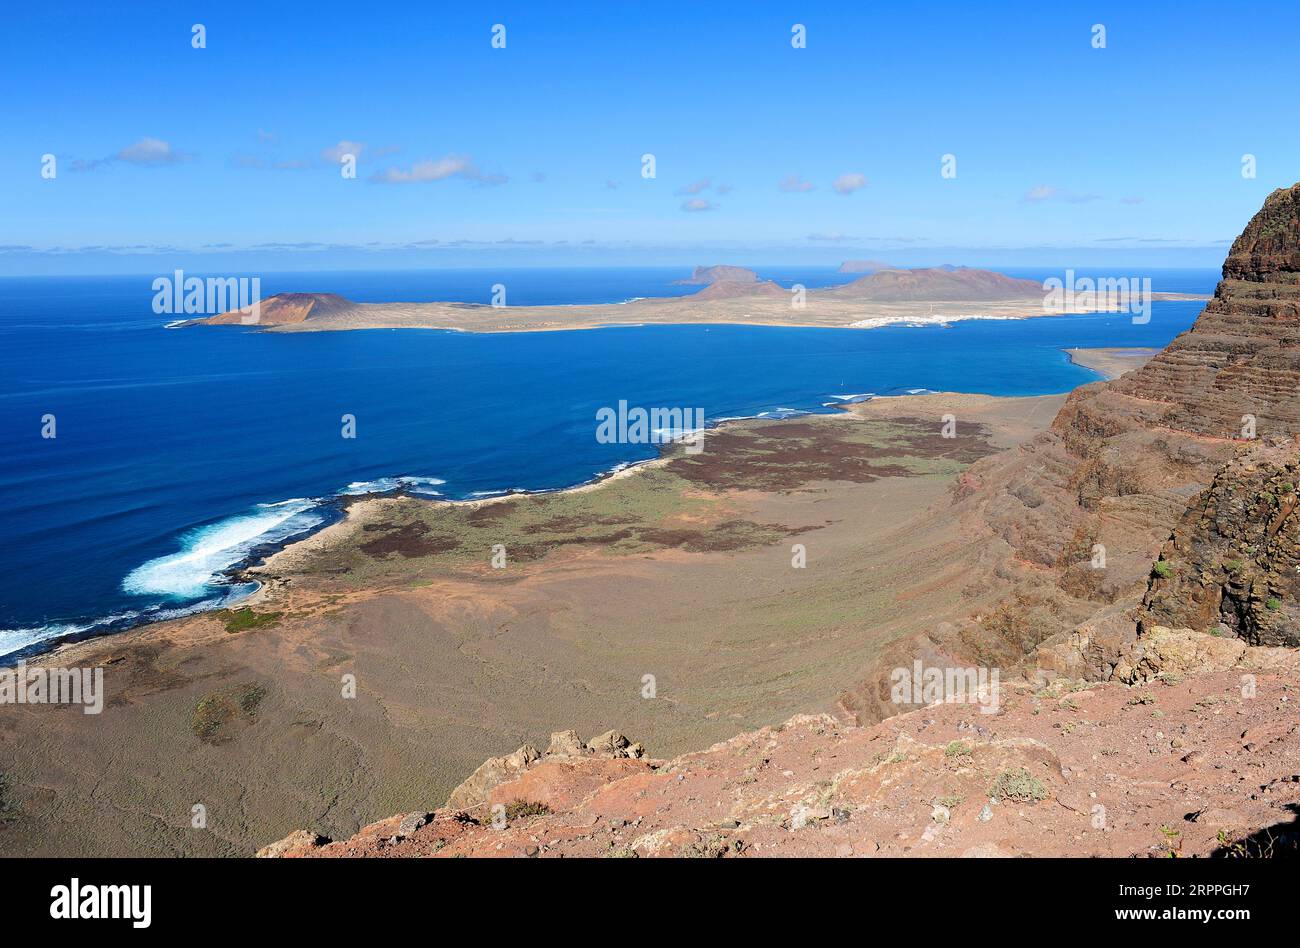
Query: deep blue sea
[180, 451]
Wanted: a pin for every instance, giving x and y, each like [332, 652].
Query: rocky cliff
[1075, 519]
[1232, 566]
[1236, 373]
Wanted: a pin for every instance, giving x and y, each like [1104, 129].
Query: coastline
[269, 566]
[820, 310]
[456, 661]
[257, 566]
[345, 512]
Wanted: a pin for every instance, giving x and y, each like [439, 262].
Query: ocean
[178, 454]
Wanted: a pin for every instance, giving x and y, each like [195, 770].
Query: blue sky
[221, 157]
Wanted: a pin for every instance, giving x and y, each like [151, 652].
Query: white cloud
[698, 204]
[793, 184]
[695, 187]
[1048, 192]
[150, 151]
[451, 166]
[848, 183]
[146, 152]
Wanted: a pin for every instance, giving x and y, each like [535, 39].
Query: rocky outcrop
[491, 774]
[1161, 654]
[296, 843]
[478, 788]
[1233, 562]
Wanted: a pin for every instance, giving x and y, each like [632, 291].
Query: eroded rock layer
[1074, 519]
[1232, 565]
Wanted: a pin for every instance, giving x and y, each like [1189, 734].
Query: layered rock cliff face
[1239, 365]
[1075, 518]
[1232, 565]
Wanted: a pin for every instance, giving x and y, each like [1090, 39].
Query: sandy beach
[1112, 362]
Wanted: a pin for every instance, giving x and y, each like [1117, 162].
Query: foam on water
[208, 551]
[384, 485]
[196, 571]
[17, 640]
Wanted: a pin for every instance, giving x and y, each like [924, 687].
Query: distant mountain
[283, 309]
[864, 266]
[726, 282]
[704, 276]
[729, 289]
[938, 284]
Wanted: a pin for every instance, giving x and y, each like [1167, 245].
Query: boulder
[493, 771]
[295, 844]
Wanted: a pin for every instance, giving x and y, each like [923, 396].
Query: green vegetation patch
[216, 712]
[523, 809]
[244, 619]
[654, 509]
[1019, 785]
[7, 810]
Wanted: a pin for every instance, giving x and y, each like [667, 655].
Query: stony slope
[1170, 764]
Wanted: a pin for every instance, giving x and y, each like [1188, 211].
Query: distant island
[728, 294]
[864, 266]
